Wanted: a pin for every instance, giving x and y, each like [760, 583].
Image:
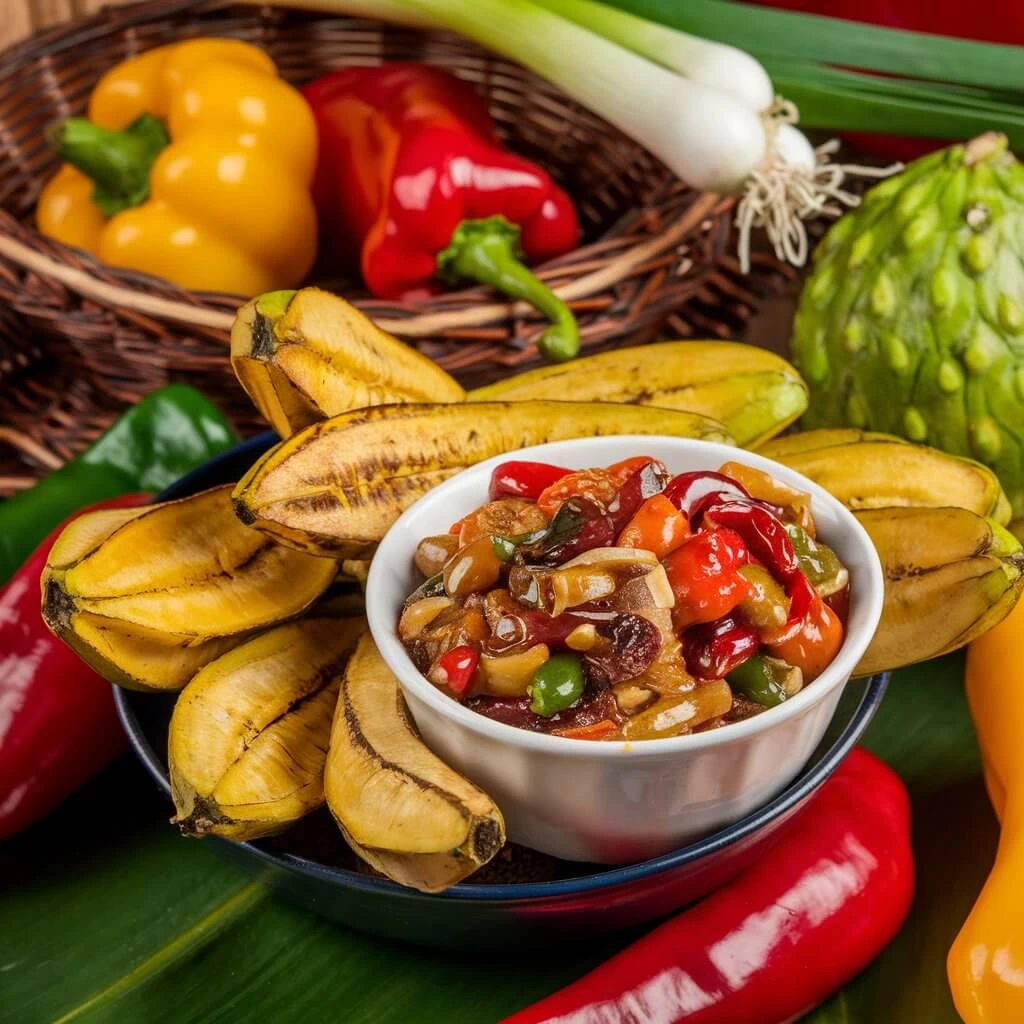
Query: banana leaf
[108, 917]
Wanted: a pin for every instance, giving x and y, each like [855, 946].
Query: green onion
[767, 34]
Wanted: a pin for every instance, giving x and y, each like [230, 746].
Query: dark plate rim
[790, 798]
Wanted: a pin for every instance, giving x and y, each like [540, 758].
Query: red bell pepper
[58, 726]
[817, 908]
[520, 479]
[412, 171]
[704, 576]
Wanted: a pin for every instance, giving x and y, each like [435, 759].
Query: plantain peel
[401, 808]
[754, 393]
[878, 471]
[303, 356]
[248, 738]
[148, 596]
[950, 575]
[335, 488]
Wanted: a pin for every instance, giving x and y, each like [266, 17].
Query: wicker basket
[653, 250]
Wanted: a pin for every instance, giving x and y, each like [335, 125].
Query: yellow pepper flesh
[986, 962]
[229, 205]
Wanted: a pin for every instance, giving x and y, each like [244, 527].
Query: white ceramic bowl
[615, 802]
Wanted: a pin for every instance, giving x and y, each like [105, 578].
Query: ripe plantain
[402, 809]
[950, 575]
[138, 658]
[303, 356]
[182, 573]
[810, 440]
[754, 393]
[308, 355]
[336, 487]
[248, 738]
[881, 471]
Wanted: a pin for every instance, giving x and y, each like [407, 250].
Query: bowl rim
[382, 615]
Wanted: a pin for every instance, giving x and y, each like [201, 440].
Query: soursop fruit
[912, 322]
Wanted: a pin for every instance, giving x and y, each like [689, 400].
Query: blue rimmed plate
[575, 901]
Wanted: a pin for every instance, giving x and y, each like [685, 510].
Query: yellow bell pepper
[986, 962]
[195, 164]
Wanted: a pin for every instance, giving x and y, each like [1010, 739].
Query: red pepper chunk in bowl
[629, 614]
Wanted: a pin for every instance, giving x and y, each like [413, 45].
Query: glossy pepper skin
[171, 431]
[58, 726]
[412, 175]
[816, 909]
[225, 204]
[986, 962]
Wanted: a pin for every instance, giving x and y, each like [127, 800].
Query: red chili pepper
[458, 666]
[520, 479]
[704, 576]
[713, 649]
[58, 726]
[411, 170]
[813, 912]
[764, 534]
[686, 489]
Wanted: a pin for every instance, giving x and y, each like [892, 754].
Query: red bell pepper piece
[713, 649]
[520, 479]
[815, 643]
[58, 726]
[412, 171]
[815, 910]
[657, 526]
[458, 666]
[704, 576]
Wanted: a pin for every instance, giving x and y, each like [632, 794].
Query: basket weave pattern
[651, 247]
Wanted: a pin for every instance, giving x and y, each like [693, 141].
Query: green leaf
[768, 33]
[108, 917]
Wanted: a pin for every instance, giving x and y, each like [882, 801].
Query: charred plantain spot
[58, 606]
[486, 840]
[322, 501]
[263, 341]
[245, 515]
[205, 816]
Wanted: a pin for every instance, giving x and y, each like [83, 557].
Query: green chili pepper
[762, 680]
[168, 433]
[820, 564]
[557, 685]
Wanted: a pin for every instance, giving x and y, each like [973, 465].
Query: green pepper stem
[117, 162]
[487, 251]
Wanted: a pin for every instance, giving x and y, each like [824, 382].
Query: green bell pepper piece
[169, 432]
[557, 684]
[762, 680]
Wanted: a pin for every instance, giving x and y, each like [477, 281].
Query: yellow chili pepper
[195, 164]
[986, 962]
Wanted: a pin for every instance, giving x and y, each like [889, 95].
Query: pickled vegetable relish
[623, 603]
